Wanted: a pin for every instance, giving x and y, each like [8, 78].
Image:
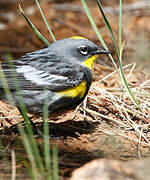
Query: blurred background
[81, 143]
[67, 18]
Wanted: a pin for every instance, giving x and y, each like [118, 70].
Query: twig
[84, 107]
[139, 145]
[109, 75]
[105, 117]
[13, 176]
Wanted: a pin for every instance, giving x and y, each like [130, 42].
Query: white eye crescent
[84, 50]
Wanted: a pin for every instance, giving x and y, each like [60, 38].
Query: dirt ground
[102, 130]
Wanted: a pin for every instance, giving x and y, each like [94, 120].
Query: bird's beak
[100, 51]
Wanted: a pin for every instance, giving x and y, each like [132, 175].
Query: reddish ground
[78, 140]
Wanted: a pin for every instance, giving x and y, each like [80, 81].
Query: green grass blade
[48, 27]
[25, 140]
[6, 87]
[55, 163]
[121, 51]
[120, 26]
[27, 121]
[93, 23]
[29, 152]
[96, 30]
[108, 27]
[119, 54]
[125, 83]
[46, 132]
[37, 32]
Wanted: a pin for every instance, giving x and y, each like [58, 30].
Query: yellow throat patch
[77, 91]
[89, 62]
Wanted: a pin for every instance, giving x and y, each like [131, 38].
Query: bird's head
[78, 49]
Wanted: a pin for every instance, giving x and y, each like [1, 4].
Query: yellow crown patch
[77, 37]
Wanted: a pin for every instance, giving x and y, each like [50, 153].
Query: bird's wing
[35, 74]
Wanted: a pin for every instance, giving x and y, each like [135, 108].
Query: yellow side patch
[89, 62]
[78, 91]
[77, 37]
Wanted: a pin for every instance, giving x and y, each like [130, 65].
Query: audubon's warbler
[60, 73]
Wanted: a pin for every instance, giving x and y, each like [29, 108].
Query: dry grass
[109, 101]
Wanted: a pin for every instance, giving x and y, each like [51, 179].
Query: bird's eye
[84, 50]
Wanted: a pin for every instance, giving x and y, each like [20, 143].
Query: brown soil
[101, 133]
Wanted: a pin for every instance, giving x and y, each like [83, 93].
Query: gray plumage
[43, 73]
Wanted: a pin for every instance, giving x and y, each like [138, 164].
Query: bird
[60, 75]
